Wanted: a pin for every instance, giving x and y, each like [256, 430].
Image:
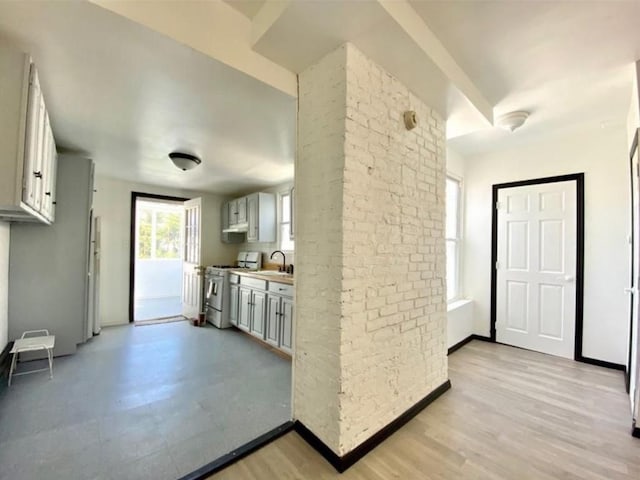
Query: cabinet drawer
[281, 289]
[254, 283]
[233, 278]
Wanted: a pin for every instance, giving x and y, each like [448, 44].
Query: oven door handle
[211, 283]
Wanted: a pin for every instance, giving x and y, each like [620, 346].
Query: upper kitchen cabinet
[238, 212]
[261, 208]
[28, 155]
[226, 235]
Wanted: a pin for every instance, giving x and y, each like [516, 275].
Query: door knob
[569, 278]
[631, 290]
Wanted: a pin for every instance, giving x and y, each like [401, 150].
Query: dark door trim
[132, 239]
[579, 179]
[627, 377]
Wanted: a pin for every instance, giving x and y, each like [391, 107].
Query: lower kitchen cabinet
[280, 322]
[251, 311]
[265, 310]
[244, 309]
[286, 325]
[234, 298]
[273, 321]
[259, 301]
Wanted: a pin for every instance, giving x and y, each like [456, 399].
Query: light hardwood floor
[511, 415]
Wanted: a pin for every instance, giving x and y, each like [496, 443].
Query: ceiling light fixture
[184, 161]
[511, 121]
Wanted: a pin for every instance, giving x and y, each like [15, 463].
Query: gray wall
[48, 264]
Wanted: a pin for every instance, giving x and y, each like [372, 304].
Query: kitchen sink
[272, 272]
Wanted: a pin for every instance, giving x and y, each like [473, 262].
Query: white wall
[370, 279]
[4, 284]
[602, 155]
[459, 314]
[112, 202]
[268, 247]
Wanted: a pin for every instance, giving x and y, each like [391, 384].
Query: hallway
[511, 414]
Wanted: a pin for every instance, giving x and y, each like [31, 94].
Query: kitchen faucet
[284, 260]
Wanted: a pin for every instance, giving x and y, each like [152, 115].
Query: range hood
[239, 228]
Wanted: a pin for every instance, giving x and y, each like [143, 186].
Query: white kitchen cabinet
[261, 215]
[272, 335]
[225, 236]
[279, 329]
[244, 309]
[27, 148]
[237, 212]
[286, 325]
[234, 298]
[259, 303]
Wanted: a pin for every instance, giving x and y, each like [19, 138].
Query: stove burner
[223, 266]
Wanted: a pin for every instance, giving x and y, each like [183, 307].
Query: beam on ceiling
[213, 28]
[266, 17]
[413, 25]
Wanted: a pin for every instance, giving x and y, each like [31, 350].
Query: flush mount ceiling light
[184, 161]
[511, 121]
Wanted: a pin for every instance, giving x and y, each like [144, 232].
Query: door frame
[132, 240]
[627, 376]
[579, 179]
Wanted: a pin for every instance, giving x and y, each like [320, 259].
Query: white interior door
[192, 270]
[536, 271]
[634, 354]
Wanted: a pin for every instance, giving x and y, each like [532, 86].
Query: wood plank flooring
[510, 415]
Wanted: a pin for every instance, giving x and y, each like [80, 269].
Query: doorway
[537, 265]
[157, 225]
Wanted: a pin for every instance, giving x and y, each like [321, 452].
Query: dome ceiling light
[511, 121]
[184, 161]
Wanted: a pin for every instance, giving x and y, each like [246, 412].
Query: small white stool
[30, 342]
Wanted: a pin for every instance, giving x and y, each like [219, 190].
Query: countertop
[286, 278]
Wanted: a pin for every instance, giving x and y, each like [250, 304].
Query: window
[159, 230]
[453, 237]
[286, 244]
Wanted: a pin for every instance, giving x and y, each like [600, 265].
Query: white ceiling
[569, 63]
[127, 96]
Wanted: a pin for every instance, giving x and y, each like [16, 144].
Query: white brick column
[370, 278]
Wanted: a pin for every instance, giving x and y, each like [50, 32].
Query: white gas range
[216, 287]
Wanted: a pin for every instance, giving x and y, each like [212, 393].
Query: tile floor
[149, 308]
[156, 401]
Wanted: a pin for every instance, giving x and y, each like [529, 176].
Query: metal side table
[32, 341]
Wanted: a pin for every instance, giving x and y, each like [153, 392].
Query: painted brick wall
[384, 247]
[318, 272]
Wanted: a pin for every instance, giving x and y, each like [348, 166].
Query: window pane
[167, 235]
[452, 269]
[452, 199]
[286, 208]
[286, 243]
[144, 232]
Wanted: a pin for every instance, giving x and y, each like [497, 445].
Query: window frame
[457, 240]
[279, 217]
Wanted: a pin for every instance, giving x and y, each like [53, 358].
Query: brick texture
[371, 309]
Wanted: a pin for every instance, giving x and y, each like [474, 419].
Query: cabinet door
[252, 214]
[234, 297]
[32, 140]
[286, 325]
[242, 209]
[244, 309]
[233, 212]
[259, 310]
[273, 320]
